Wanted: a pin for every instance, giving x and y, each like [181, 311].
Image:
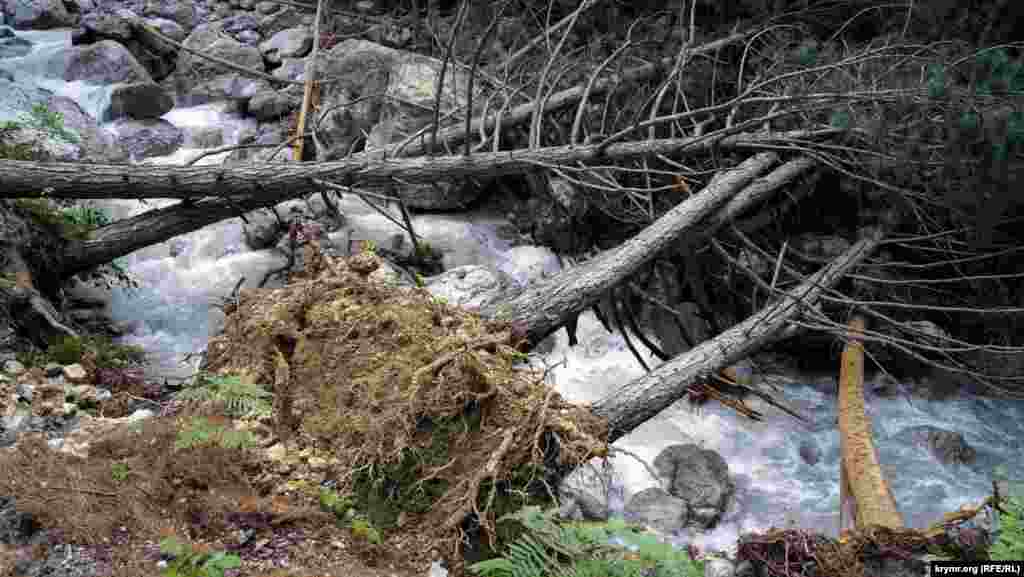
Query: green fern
[200, 432]
[547, 548]
[240, 399]
[1010, 545]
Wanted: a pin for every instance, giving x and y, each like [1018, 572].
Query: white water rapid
[171, 315]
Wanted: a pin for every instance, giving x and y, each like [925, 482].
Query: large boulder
[138, 100]
[156, 55]
[205, 80]
[146, 138]
[94, 143]
[658, 509]
[700, 477]
[106, 62]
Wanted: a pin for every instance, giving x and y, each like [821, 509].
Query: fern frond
[239, 398]
[1010, 545]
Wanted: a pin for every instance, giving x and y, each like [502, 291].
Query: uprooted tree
[696, 178]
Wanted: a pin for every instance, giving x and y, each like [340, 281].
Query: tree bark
[155, 226]
[872, 499]
[632, 405]
[548, 305]
[276, 182]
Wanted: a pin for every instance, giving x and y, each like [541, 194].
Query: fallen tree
[640, 400]
[278, 182]
[67, 180]
[548, 305]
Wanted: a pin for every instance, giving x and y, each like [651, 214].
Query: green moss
[74, 222]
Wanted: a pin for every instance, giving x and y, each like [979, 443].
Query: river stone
[266, 8]
[146, 138]
[809, 452]
[949, 447]
[105, 62]
[180, 11]
[700, 477]
[138, 100]
[168, 28]
[657, 509]
[269, 104]
[467, 286]
[290, 43]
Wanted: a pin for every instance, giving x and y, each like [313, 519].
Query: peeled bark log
[21, 179]
[548, 305]
[632, 405]
[872, 499]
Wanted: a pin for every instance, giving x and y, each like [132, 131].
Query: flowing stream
[171, 315]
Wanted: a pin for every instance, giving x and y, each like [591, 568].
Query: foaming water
[43, 68]
[182, 280]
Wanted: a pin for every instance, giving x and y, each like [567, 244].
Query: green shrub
[191, 562]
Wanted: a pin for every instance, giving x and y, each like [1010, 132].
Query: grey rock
[168, 28]
[658, 509]
[239, 22]
[810, 452]
[266, 8]
[699, 477]
[466, 286]
[290, 43]
[180, 11]
[249, 37]
[138, 100]
[146, 138]
[270, 104]
[53, 369]
[105, 62]
[949, 447]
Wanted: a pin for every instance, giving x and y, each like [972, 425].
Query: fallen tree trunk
[128, 235]
[632, 405]
[155, 226]
[548, 305]
[861, 472]
[277, 182]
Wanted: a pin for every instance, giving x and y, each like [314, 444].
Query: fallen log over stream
[548, 305]
[227, 192]
[632, 405]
